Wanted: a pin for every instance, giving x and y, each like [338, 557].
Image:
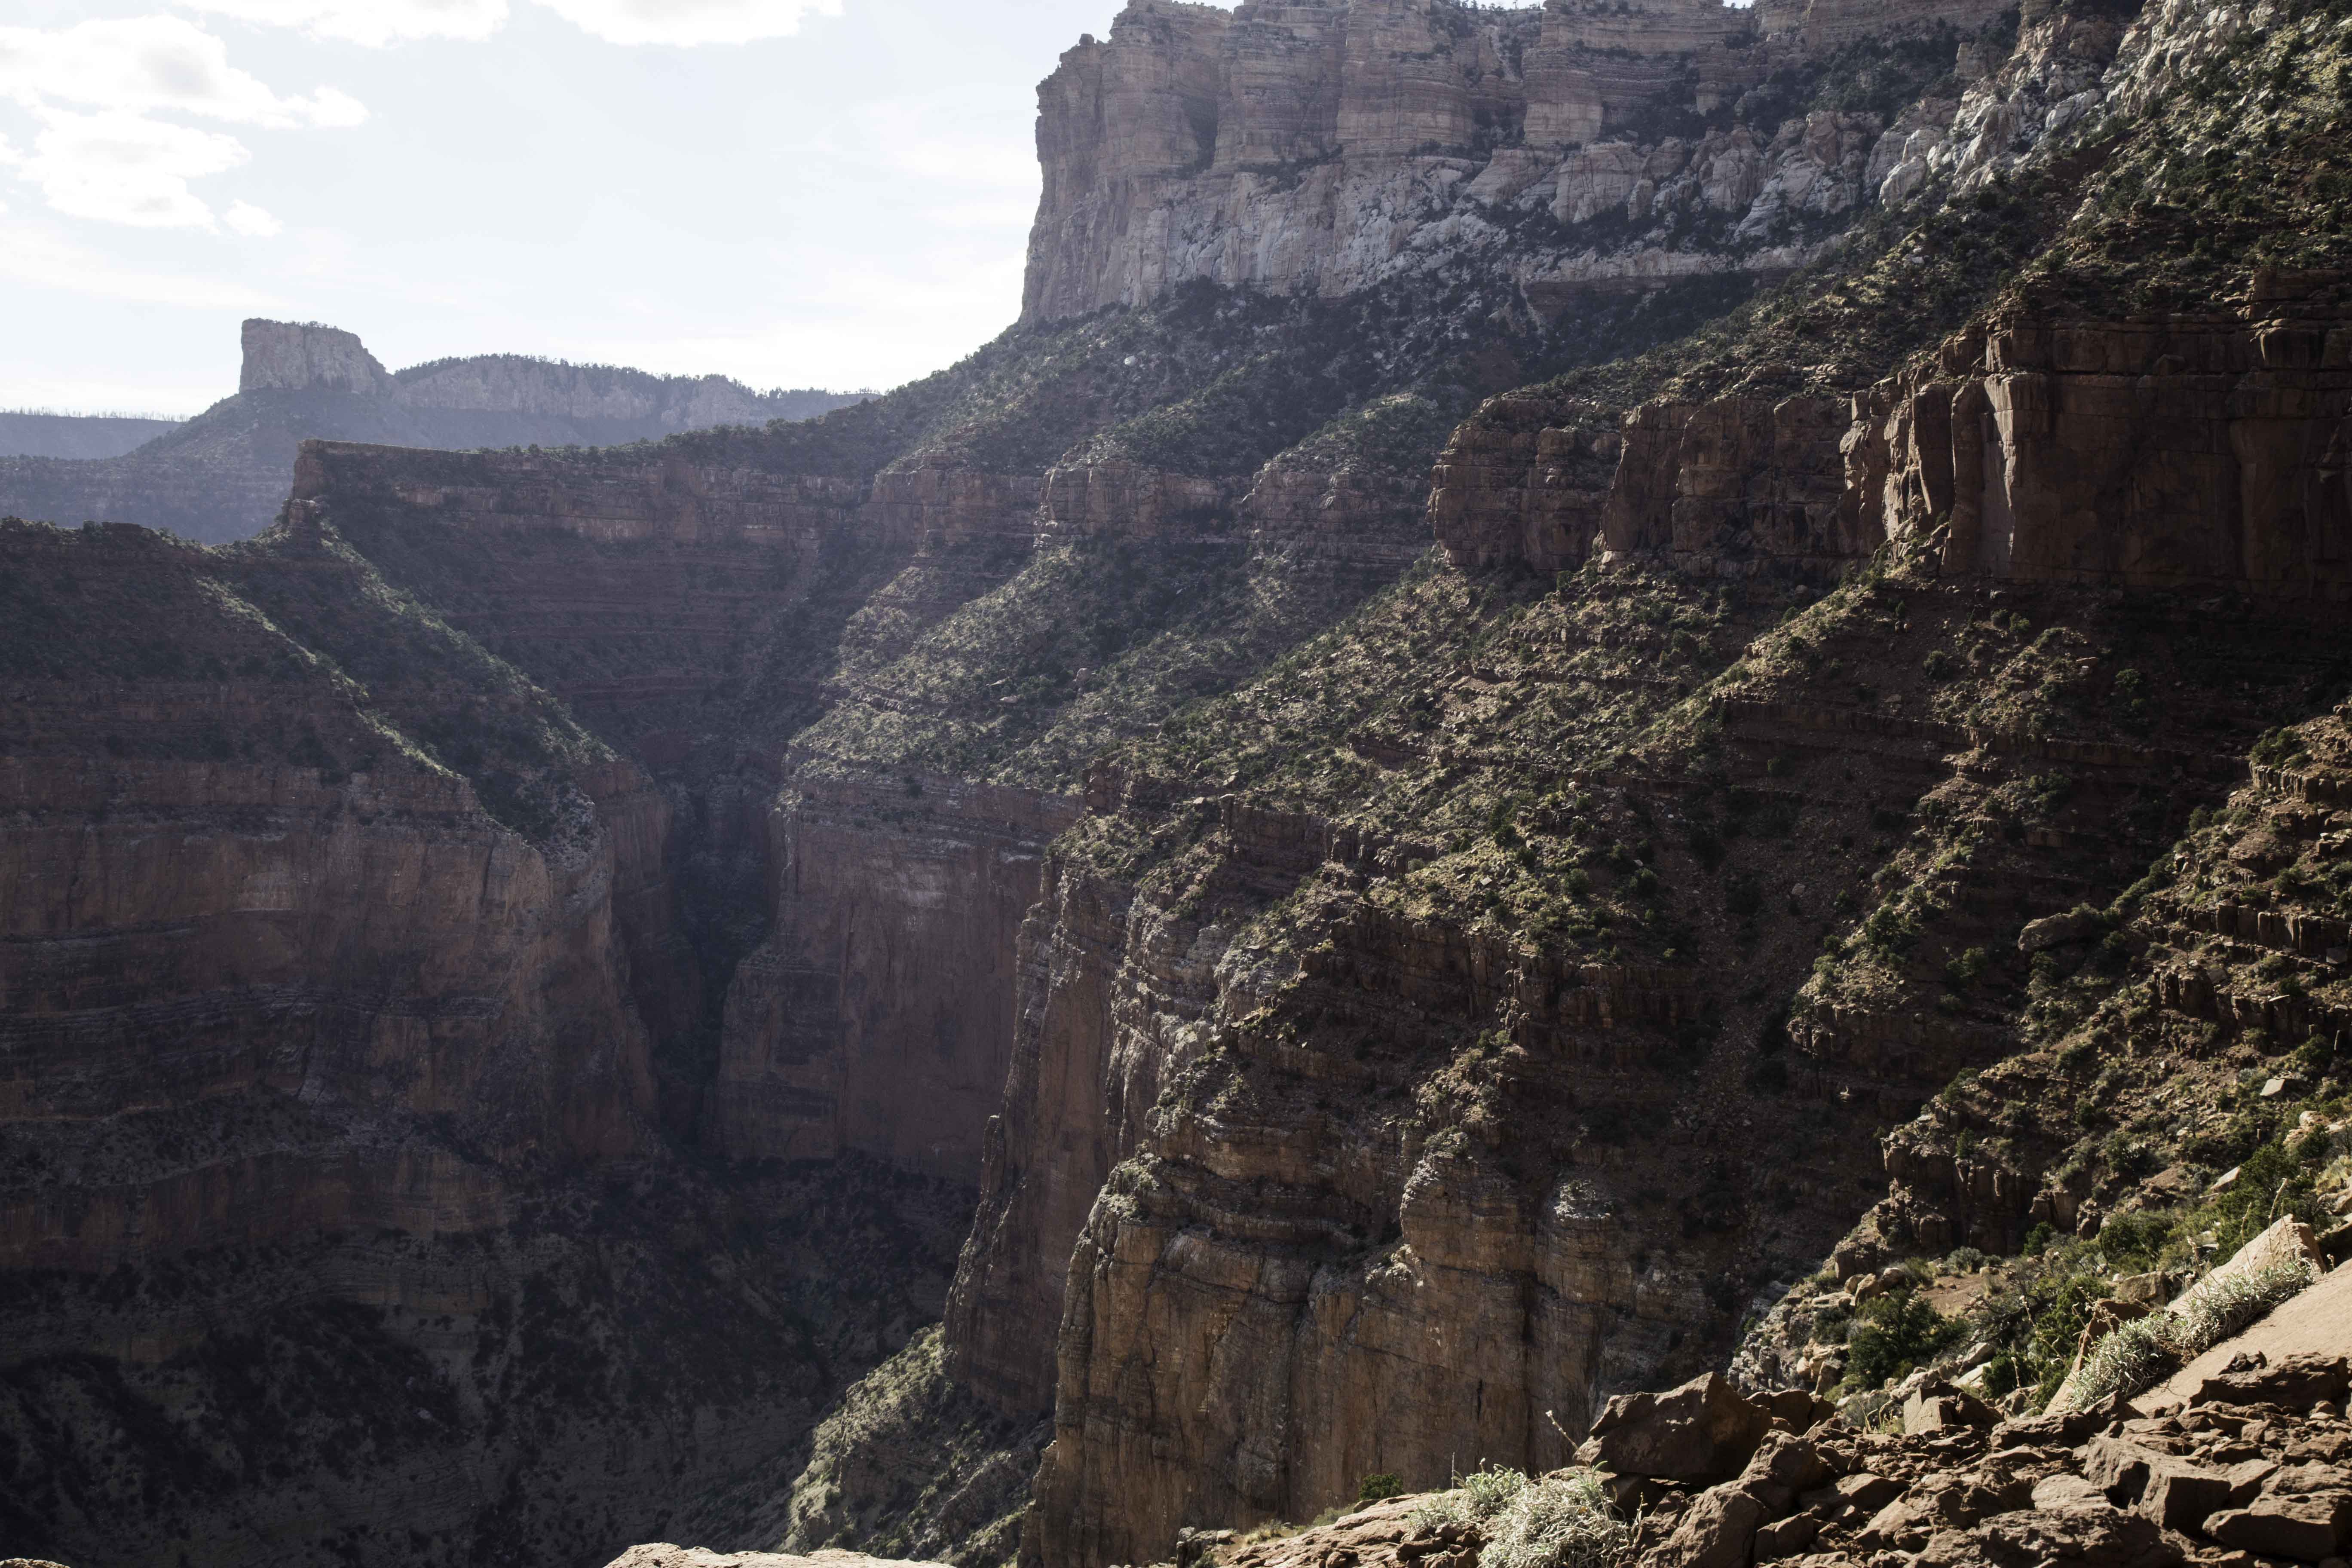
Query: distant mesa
[224, 473]
[290, 356]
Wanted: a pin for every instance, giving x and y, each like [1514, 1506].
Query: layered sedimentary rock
[1343, 1295]
[2171, 453]
[872, 1017]
[334, 1207]
[2187, 453]
[217, 926]
[1321, 148]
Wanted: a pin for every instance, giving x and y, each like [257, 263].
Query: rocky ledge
[2252, 1470]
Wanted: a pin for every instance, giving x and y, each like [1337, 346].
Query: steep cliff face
[869, 1019]
[1481, 1012]
[2180, 452]
[288, 356]
[192, 915]
[1322, 148]
[333, 1211]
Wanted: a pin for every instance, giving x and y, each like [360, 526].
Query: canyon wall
[334, 1211]
[193, 922]
[2182, 453]
[874, 1015]
[1321, 148]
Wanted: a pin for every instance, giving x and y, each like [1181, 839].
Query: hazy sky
[794, 193]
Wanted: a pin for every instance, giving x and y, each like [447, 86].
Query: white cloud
[378, 23]
[248, 220]
[375, 23]
[684, 22]
[97, 90]
[146, 64]
[126, 168]
[38, 254]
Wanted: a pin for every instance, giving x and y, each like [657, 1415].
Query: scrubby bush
[1379, 1488]
[2221, 1308]
[1560, 1521]
[2130, 1359]
[1478, 1496]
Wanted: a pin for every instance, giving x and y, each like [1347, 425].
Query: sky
[794, 192]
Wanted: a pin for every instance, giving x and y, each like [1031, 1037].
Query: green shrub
[1892, 1334]
[1379, 1488]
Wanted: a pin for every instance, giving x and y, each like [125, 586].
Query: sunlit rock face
[1323, 148]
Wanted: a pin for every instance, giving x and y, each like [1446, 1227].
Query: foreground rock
[663, 1555]
[2264, 1468]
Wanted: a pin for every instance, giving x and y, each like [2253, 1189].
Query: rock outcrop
[2202, 452]
[1321, 148]
[2272, 1476]
[290, 356]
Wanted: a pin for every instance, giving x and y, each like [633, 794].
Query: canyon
[1591, 686]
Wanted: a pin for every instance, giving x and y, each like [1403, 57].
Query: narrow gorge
[1597, 693]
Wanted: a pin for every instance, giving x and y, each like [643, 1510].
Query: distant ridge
[223, 474]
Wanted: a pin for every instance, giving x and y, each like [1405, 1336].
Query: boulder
[1781, 1467]
[1799, 1408]
[2060, 930]
[1787, 1538]
[1942, 1406]
[1867, 1493]
[2297, 1382]
[1714, 1532]
[2053, 1429]
[2178, 1495]
[2308, 1526]
[1702, 1431]
[2077, 1529]
[2246, 1478]
[2119, 1465]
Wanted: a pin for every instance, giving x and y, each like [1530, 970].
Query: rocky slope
[2252, 1465]
[224, 473]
